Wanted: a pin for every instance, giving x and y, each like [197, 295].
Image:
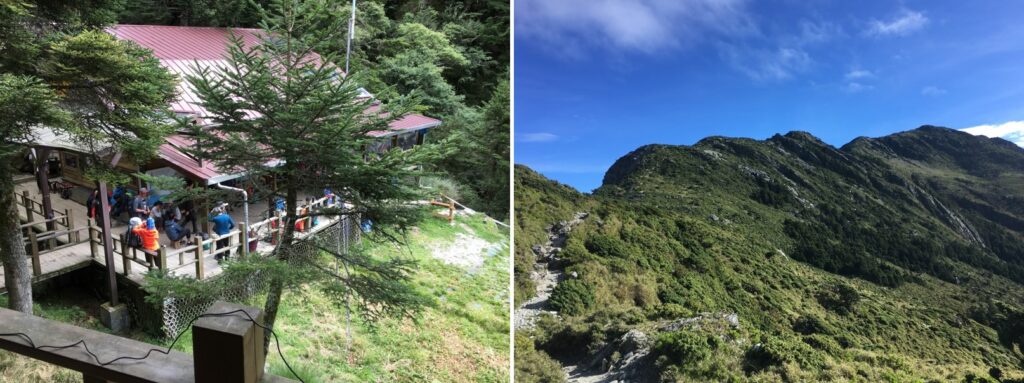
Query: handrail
[196, 250]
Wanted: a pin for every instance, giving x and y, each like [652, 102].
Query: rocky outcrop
[547, 272]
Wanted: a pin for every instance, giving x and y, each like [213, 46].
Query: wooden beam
[173, 368]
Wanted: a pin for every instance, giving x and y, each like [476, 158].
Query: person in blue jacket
[222, 225]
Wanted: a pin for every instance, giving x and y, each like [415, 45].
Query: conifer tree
[282, 109]
[63, 74]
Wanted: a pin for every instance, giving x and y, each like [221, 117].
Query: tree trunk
[270, 310]
[17, 274]
[276, 284]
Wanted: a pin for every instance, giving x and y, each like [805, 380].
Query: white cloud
[638, 25]
[932, 91]
[1012, 131]
[766, 64]
[858, 74]
[856, 87]
[906, 23]
[537, 137]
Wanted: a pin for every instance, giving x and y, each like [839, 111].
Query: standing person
[150, 239]
[222, 225]
[140, 205]
[95, 207]
[117, 205]
[329, 195]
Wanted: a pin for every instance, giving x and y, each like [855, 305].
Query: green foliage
[534, 366]
[572, 297]
[215, 13]
[25, 102]
[685, 347]
[839, 298]
[120, 91]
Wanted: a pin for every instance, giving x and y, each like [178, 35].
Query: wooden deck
[191, 259]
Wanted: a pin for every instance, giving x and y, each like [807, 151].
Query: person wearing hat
[222, 225]
[140, 206]
[150, 238]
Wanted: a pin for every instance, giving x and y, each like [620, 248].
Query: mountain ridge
[927, 215]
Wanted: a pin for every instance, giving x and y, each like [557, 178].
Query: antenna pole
[351, 35]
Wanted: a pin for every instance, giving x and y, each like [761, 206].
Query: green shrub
[810, 324]
[607, 246]
[534, 366]
[839, 298]
[685, 347]
[572, 297]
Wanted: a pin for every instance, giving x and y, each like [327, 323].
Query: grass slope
[463, 337]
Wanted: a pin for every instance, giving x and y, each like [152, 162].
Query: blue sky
[595, 79]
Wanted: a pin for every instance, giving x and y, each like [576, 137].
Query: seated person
[175, 232]
[150, 239]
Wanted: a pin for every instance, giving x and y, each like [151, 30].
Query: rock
[574, 274]
[733, 319]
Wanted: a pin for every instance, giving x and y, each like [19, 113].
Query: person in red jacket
[150, 238]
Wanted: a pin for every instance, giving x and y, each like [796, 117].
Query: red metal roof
[181, 49]
[172, 152]
[185, 43]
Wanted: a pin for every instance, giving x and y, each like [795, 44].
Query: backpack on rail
[131, 239]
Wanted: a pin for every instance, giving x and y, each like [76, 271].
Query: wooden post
[108, 245]
[228, 348]
[72, 234]
[52, 241]
[243, 234]
[162, 258]
[451, 210]
[92, 242]
[28, 204]
[36, 268]
[199, 256]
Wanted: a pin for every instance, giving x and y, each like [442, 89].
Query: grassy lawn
[462, 337]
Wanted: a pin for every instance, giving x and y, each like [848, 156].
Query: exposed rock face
[625, 359]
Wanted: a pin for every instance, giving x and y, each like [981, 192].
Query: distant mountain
[900, 256]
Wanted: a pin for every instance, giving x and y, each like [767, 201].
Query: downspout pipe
[245, 210]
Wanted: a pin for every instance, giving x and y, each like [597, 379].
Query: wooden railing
[35, 208]
[52, 239]
[222, 346]
[194, 253]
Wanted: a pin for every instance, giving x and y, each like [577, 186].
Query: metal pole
[245, 212]
[351, 35]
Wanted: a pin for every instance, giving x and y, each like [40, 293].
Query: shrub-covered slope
[897, 258]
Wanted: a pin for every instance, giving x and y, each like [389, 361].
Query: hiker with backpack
[175, 232]
[95, 207]
[222, 225]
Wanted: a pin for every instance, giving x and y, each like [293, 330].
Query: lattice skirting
[178, 313]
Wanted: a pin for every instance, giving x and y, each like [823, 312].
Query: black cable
[169, 348]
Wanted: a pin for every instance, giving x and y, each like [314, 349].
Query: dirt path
[545, 276]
